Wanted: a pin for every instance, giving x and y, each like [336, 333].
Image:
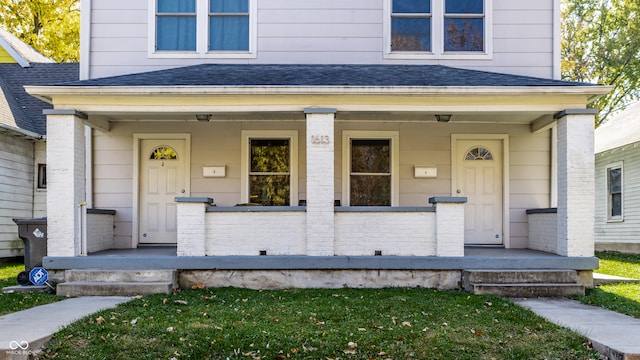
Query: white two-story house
[314, 137]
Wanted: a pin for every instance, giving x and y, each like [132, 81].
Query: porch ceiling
[522, 117]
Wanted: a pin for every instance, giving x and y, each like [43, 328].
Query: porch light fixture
[203, 117]
[443, 117]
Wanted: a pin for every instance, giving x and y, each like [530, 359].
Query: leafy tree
[601, 44]
[51, 26]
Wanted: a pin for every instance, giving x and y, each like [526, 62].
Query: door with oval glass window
[162, 168]
[479, 178]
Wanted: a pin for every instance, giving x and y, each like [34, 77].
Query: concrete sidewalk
[28, 330]
[612, 334]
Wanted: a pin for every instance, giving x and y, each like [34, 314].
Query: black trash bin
[33, 233]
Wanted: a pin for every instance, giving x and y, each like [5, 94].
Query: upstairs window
[203, 28]
[464, 25]
[176, 25]
[229, 25]
[439, 28]
[411, 25]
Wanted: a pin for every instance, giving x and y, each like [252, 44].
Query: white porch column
[320, 181]
[192, 230]
[576, 184]
[449, 225]
[65, 181]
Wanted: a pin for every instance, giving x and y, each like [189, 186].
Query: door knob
[458, 191]
[183, 191]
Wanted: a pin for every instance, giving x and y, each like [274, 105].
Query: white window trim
[394, 137]
[292, 136]
[437, 36]
[616, 165]
[202, 36]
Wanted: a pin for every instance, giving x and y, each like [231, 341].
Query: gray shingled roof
[321, 75]
[21, 110]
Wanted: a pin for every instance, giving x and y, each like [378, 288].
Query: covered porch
[537, 134]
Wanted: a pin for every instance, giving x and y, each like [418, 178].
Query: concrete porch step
[528, 290]
[100, 282]
[520, 276]
[96, 288]
[100, 275]
[523, 283]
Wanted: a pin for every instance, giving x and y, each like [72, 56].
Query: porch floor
[170, 250]
[164, 257]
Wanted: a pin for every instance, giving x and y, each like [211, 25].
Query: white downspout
[82, 208]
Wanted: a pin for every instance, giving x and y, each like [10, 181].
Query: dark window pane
[229, 33]
[463, 34]
[411, 6]
[269, 190]
[411, 34]
[615, 180]
[176, 33]
[616, 205]
[370, 156]
[176, 6]
[270, 156]
[370, 190]
[229, 6]
[464, 6]
[42, 176]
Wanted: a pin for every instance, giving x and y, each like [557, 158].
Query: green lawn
[19, 301]
[623, 298]
[393, 323]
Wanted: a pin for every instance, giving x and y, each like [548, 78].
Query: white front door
[479, 178]
[162, 169]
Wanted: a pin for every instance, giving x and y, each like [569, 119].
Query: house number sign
[320, 139]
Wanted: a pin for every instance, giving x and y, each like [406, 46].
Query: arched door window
[163, 153]
[478, 153]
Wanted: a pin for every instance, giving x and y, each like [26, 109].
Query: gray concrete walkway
[28, 330]
[614, 335]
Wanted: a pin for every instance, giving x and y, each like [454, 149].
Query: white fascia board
[14, 54]
[50, 91]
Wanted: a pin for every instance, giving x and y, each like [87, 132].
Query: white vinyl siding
[618, 232]
[321, 32]
[16, 190]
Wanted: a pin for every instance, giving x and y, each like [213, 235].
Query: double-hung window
[438, 28]
[269, 175]
[614, 192]
[203, 28]
[370, 162]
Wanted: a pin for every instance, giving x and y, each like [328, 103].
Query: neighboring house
[435, 125]
[617, 149]
[22, 135]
